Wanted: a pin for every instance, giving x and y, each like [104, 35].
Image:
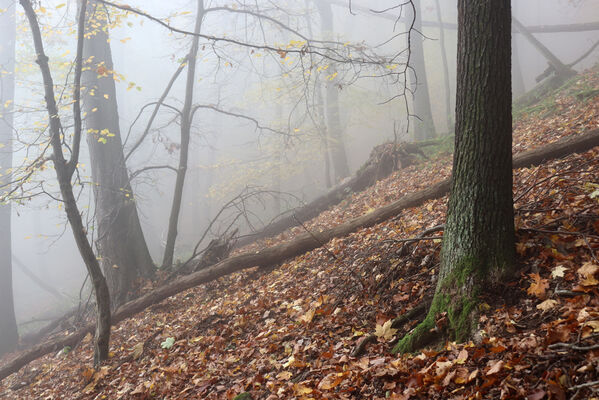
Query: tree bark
[120, 242]
[64, 173]
[9, 337]
[306, 242]
[478, 249]
[424, 126]
[334, 131]
[186, 120]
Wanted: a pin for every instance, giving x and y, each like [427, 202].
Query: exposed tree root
[397, 323]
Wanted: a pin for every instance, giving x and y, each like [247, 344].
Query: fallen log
[383, 160]
[301, 244]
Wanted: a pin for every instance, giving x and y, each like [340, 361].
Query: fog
[258, 127]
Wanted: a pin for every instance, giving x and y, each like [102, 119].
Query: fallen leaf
[385, 331]
[495, 368]
[538, 287]
[558, 272]
[330, 381]
[587, 272]
[547, 305]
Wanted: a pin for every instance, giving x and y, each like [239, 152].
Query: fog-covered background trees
[281, 98]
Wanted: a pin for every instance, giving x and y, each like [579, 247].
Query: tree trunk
[120, 242]
[446, 79]
[479, 243]
[335, 133]
[64, 173]
[8, 326]
[424, 126]
[186, 120]
[306, 242]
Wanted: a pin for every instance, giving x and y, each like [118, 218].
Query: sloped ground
[289, 332]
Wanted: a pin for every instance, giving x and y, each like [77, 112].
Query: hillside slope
[290, 332]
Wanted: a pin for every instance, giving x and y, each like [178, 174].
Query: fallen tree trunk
[384, 159]
[301, 244]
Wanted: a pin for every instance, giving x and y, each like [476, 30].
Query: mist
[286, 104]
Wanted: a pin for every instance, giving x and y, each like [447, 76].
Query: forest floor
[289, 332]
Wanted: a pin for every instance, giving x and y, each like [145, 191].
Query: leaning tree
[65, 169]
[478, 247]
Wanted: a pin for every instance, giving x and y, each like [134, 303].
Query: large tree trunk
[335, 133]
[278, 254]
[186, 120]
[120, 241]
[8, 326]
[424, 126]
[479, 242]
[64, 173]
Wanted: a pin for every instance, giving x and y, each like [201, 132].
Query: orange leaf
[538, 287]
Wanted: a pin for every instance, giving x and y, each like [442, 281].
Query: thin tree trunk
[186, 120]
[337, 143]
[319, 111]
[120, 240]
[518, 88]
[64, 173]
[9, 337]
[446, 79]
[424, 126]
[478, 249]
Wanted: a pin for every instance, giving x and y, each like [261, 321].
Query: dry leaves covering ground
[288, 333]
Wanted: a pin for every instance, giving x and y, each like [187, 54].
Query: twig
[584, 385]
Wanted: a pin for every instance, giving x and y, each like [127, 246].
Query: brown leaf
[495, 367]
[538, 287]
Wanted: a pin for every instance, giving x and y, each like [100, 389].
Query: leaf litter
[288, 332]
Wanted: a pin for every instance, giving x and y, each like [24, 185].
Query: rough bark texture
[424, 126]
[478, 243]
[8, 325]
[337, 143]
[186, 119]
[64, 173]
[277, 254]
[120, 241]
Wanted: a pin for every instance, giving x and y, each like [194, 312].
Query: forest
[310, 199]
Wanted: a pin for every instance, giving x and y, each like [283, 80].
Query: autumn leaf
[587, 272]
[138, 350]
[330, 381]
[385, 331]
[558, 272]
[547, 305]
[495, 367]
[538, 287]
[462, 357]
[308, 316]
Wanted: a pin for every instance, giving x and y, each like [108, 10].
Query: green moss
[243, 396]
[459, 302]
